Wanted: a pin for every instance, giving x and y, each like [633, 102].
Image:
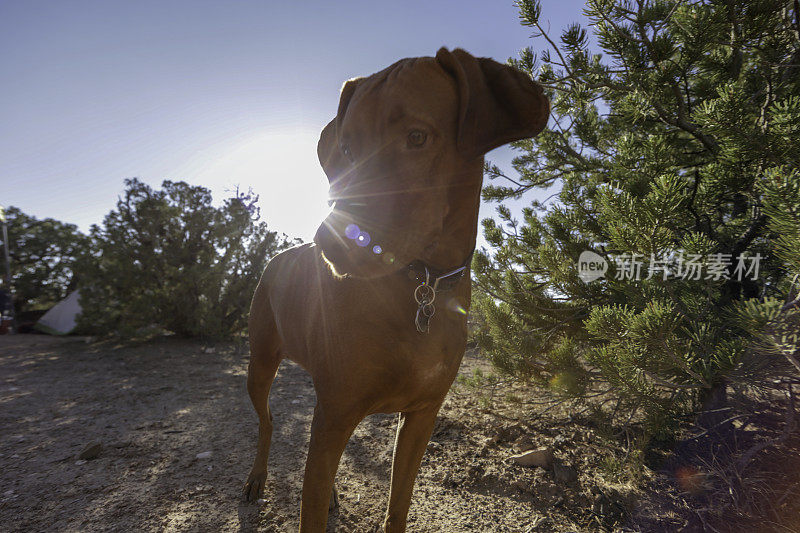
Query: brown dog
[375, 310]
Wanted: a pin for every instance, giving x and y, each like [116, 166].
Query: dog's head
[405, 145]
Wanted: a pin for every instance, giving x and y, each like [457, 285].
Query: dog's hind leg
[265, 356]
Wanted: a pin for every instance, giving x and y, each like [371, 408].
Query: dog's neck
[455, 245]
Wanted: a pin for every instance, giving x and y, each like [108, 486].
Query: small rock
[542, 458]
[80, 462]
[91, 452]
[203, 455]
[210, 349]
[564, 474]
[295, 402]
[261, 501]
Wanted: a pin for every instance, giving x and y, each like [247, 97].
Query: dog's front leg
[329, 435]
[413, 433]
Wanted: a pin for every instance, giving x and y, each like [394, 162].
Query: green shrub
[169, 258]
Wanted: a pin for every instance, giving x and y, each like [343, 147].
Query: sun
[283, 169]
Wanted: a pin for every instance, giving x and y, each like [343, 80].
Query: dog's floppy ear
[329, 150]
[330, 156]
[497, 103]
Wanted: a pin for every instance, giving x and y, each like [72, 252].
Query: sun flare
[283, 169]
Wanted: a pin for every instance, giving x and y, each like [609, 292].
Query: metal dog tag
[424, 294]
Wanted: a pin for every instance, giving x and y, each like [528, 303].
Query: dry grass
[744, 478]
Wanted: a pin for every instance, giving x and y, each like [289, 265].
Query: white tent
[60, 320]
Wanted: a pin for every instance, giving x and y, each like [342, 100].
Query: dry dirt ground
[154, 406]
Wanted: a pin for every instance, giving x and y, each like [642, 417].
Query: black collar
[442, 280]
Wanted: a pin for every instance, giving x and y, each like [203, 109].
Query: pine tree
[675, 152]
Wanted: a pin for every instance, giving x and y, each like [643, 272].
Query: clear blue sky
[214, 93]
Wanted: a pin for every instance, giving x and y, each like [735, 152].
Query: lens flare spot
[456, 307]
[362, 239]
[377, 250]
[352, 231]
[388, 258]
[691, 480]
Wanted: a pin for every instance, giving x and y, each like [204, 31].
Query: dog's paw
[254, 487]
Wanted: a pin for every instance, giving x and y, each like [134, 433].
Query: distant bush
[169, 258]
[43, 258]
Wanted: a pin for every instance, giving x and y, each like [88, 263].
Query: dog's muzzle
[345, 239]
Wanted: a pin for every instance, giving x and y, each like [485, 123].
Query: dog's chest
[363, 338]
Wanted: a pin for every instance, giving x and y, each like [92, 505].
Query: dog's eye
[417, 138]
[346, 151]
